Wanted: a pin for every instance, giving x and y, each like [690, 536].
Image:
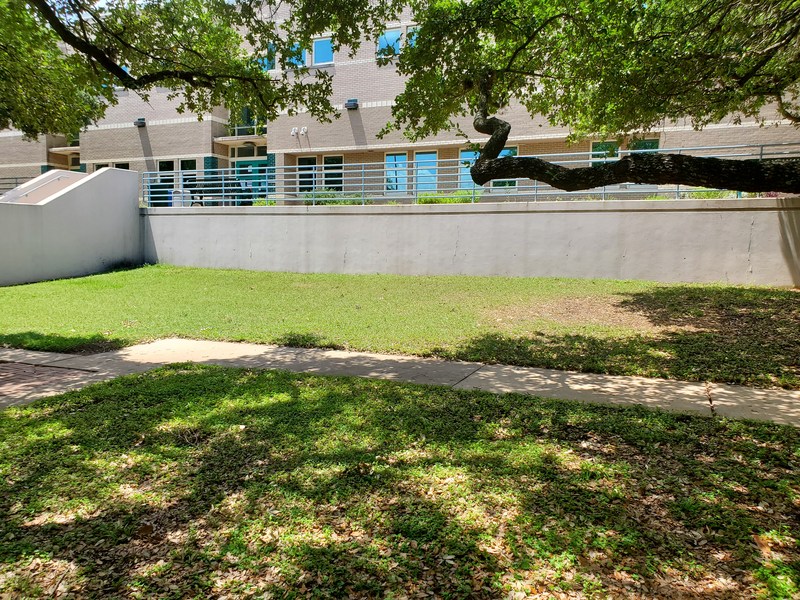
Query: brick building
[153, 136]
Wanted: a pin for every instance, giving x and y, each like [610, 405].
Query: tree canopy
[612, 68]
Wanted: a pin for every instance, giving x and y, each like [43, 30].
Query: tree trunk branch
[764, 175]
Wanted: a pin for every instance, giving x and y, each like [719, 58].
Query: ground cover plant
[718, 333]
[196, 482]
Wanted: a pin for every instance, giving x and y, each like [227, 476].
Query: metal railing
[9, 183]
[412, 182]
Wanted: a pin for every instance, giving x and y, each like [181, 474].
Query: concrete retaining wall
[736, 241]
[89, 227]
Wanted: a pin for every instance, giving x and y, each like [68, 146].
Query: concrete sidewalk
[26, 376]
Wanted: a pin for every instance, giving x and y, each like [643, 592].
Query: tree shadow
[732, 335]
[219, 480]
[50, 342]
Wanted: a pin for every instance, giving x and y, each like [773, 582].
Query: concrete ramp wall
[90, 226]
[42, 187]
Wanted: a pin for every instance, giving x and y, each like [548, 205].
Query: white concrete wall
[737, 241]
[89, 227]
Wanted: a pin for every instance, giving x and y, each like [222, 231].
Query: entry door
[257, 175]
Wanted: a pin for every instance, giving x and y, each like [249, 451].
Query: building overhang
[65, 150]
[241, 140]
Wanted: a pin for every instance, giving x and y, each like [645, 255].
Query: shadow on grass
[747, 336]
[78, 344]
[199, 481]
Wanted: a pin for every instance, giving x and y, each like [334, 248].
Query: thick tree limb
[677, 169]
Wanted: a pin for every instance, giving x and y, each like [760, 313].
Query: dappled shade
[203, 481]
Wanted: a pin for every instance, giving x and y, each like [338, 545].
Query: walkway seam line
[467, 376]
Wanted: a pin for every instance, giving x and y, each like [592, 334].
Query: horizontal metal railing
[9, 183]
[410, 181]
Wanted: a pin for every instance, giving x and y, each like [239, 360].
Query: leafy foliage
[601, 68]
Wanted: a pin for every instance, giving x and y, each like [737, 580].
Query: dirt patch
[605, 311]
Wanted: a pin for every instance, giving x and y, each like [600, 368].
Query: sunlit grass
[716, 333]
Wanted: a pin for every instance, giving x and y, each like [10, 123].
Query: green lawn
[717, 333]
[198, 482]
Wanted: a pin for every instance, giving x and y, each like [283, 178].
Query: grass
[743, 335]
[197, 482]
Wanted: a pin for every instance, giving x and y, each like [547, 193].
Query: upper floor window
[389, 42]
[411, 36]
[322, 52]
[268, 62]
[295, 58]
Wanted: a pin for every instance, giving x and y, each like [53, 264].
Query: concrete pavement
[26, 376]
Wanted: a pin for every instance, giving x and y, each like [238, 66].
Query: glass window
[99, 166]
[268, 62]
[125, 166]
[643, 145]
[332, 166]
[396, 172]
[322, 52]
[468, 158]
[411, 36]
[425, 171]
[190, 165]
[306, 165]
[605, 150]
[245, 151]
[261, 150]
[167, 167]
[389, 42]
[297, 57]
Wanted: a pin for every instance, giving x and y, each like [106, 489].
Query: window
[322, 53]
[166, 167]
[306, 165]
[425, 171]
[188, 168]
[396, 172]
[99, 166]
[389, 43]
[643, 145]
[125, 166]
[468, 158]
[247, 124]
[74, 160]
[268, 62]
[332, 167]
[246, 151]
[605, 150]
[506, 182]
[295, 58]
[411, 36]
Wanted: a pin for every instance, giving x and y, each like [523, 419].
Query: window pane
[333, 172]
[396, 172]
[411, 36]
[99, 166]
[166, 166]
[506, 182]
[297, 57]
[464, 178]
[604, 150]
[126, 166]
[189, 164]
[268, 62]
[425, 171]
[389, 42]
[643, 145]
[306, 166]
[245, 151]
[323, 52]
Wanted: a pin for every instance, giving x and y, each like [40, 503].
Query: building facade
[296, 154]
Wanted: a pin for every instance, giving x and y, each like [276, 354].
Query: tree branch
[661, 169]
